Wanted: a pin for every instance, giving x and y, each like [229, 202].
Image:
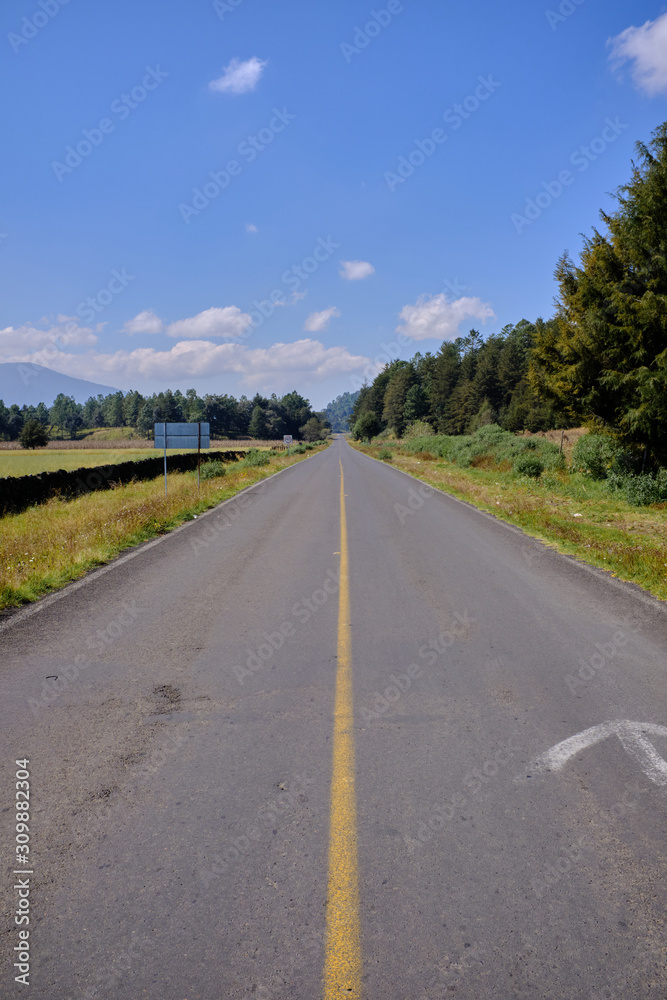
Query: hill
[28, 385]
[339, 411]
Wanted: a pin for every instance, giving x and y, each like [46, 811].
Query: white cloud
[356, 270]
[16, 342]
[144, 322]
[306, 357]
[320, 320]
[239, 77]
[250, 228]
[216, 322]
[439, 318]
[275, 366]
[646, 47]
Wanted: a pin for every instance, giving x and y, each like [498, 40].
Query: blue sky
[335, 173]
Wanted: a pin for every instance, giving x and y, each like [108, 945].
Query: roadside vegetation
[573, 501]
[49, 545]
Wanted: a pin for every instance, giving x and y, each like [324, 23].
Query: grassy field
[124, 438]
[47, 546]
[111, 434]
[570, 512]
[28, 463]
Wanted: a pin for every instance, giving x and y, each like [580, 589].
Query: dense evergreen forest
[468, 383]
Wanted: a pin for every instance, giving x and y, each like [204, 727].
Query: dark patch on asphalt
[103, 793]
[169, 699]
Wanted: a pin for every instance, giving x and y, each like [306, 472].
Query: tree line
[601, 359]
[259, 417]
[468, 383]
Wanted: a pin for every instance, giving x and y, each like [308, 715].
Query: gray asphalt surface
[180, 778]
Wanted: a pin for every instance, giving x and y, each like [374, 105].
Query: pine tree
[258, 427]
[33, 435]
[393, 411]
[604, 356]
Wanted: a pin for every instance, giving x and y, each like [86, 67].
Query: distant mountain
[28, 385]
[340, 409]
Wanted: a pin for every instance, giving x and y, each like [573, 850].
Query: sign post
[287, 439]
[182, 437]
[165, 460]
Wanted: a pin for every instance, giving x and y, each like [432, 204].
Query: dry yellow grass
[49, 545]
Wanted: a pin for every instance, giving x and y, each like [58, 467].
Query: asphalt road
[182, 768]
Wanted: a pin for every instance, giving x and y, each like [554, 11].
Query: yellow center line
[342, 962]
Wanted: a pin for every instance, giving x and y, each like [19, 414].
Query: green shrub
[385, 454]
[642, 489]
[528, 465]
[366, 427]
[490, 443]
[418, 429]
[212, 470]
[255, 458]
[595, 454]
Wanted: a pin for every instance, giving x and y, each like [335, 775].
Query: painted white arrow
[633, 740]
